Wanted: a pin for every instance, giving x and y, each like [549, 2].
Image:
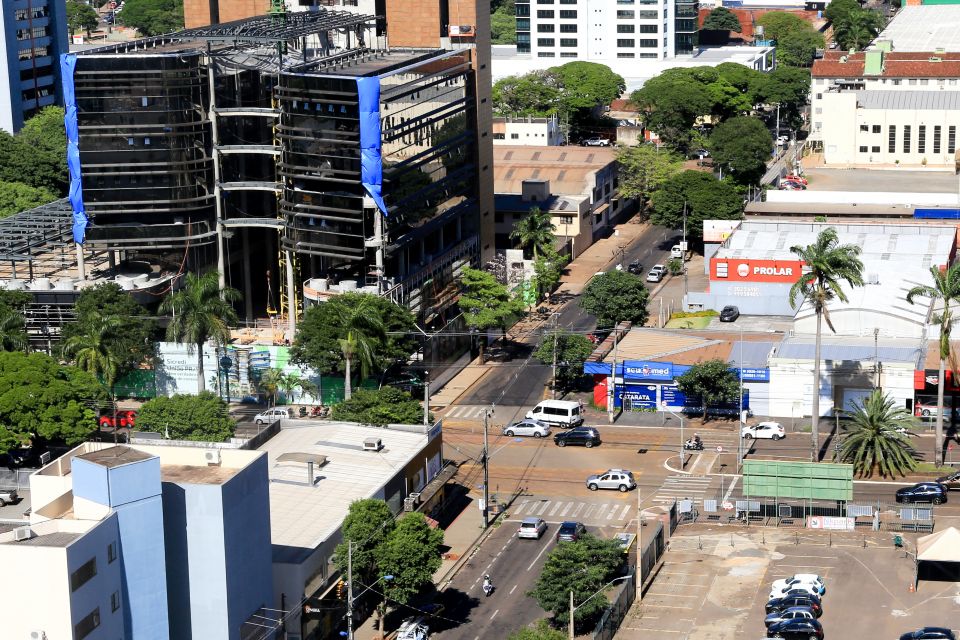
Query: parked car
[532, 528]
[790, 185]
[656, 274]
[619, 479]
[763, 431]
[596, 142]
[635, 267]
[929, 633]
[804, 628]
[414, 629]
[533, 428]
[570, 531]
[272, 415]
[125, 419]
[951, 481]
[808, 591]
[561, 413]
[929, 410]
[810, 601]
[795, 178]
[793, 613]
[798, 579]
[676, 251]
[586, 436]
[923, 492]
[729, 313]
[779, 591]
[8, 496]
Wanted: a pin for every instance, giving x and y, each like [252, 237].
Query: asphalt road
[525, 384]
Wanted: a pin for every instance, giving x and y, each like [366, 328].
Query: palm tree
[878, 437]
[534, 231]
[269, 383]
[12, 334]
[946, 289]
[201, 311]
[96, 353]
[825, 264]
[361, 326]
[290, 382]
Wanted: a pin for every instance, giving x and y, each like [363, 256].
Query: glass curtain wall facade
[685, 38]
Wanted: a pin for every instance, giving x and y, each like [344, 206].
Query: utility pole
[426, 397]
[486, 470]
[555, 338]
[683, 246]
[350, 589]
[740, 406]
[572, 634]
[613, 377]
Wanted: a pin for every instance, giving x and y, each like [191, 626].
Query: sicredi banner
[730, 270]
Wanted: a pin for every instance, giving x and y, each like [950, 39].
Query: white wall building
[528, 131]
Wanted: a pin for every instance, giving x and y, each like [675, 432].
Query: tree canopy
[588, 84]
[797, 40]
[616, 296]
[572, 350]
[16, 197]
[721, 19]
[573, 88]
[33, 164]
[486, 304]
[383, 406]
[153, 17]
[411, 554]
[202, 417]
[644, 169]
[706, 198]
[369, 522]
[712, 381]
[743, 145]
[42, 401]
[854, 27]
[503, 22]
[532, 94]
[671, 103]
[534, 231]
[548, 269]
[81, 16]
[540, 631]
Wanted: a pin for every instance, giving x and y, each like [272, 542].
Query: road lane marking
[730, 490]
[623, 515]
[542, 508]
[590, 508]
[495, 614]
[545, 547]
[612, 512]
[577, 510]
[512, 590]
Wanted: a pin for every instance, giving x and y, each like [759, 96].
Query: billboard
[742, 270]
[805, 480]
[638, 396]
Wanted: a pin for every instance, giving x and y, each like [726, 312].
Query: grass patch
[701, 322]
[929, 467]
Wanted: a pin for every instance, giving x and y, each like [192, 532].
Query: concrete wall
[908, 200]
[752, 298]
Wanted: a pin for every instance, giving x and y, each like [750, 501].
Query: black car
[923, 492]
[586, 436]
[797, 628]
[799, 600]
[729, 313]
[635, 267]
[929, 633]
[570, 531]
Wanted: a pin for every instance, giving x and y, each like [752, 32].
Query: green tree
[799, 48]
[826, 265]
[588, 84]
[743, 144]
[32, 166]
[671, 103]
[201, 312]
[503, 23]
[274, 380]
[777, 24]
[616, 296]
[361, 329]
[873, 440]
[16, 197]
[411, 554]
[541, 631]
[786, 86]
[486, 304]
[571, 350]
[721, 19]
[80, 15]
[383, 406]
[644, 169]
[42, 401]
[705, 197]
[532, 94]
[712, 381]
[317, 342]
[548, 269]
[368, 524]
[153, 17]
[944, 291]
[838, 10]
[13, 336]
[856, 29]
[93, 350]
[534, 231]
[583, 567]
[202, 417]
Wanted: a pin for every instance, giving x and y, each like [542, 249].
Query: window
[896, 81]
[545, 42]
[544, 13]
[523, 24]
[924, 81]
[912, 81]
[514, 136]
[86, 626]
[523, 10]
[863, 149]
[566, 219]
[626, 42]
[876, 128]
[625, 28]
[546, 54]
[568, 1]
[906, 138]
[568, 54]
[568, 28]
[647, 43]
[498, 216]
[864, 127]
[922, 139]
[951, 139]
[648, 28]
[621, 54]
[874, 149]
[114, 601]
[111, 552]
[624, 15]
[892, 139]
[568, 42]
[818, 110]
[80, 577]
[544, 1]
[545, 28]
[936, 139]
[568, 14]
[499, 136]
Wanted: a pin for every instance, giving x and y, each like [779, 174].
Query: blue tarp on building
[371, 158]
[68, 62]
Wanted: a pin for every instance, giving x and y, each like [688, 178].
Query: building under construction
[298, 154]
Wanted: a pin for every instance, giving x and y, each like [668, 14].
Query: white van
[563, 413]
[272, 415]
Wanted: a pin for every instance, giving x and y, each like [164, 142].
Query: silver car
[619, 479]
[532, 528]
[528, 427]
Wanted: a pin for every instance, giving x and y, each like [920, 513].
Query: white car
[798, 579]
[596, 142]
[656, 274]
[763, 430]
[528, 427]
[532, 528]
[799, 587]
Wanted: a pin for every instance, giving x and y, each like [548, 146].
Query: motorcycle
[693, 445]
[320, 411]
[303, 411]
[487, 586]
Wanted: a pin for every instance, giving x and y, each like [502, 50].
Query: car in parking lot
[571, 531]
[929, 633]
[527, 427]
[585, 436]
[8, 496]
[923, 492]
[656, 273]
[951, 481]
[763, 430]
[797, 628]
[807, 600]
[596, 142]
[620, 479]
[532, 528]
[790, 185]
[796, 589]
[729, 313]
[793, 613]
[800, 579]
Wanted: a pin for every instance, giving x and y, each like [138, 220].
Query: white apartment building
[528, 131]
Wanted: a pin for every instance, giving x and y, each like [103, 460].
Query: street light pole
[613, 378]
[350, 589]
[555, 338]
[740, 405]
[486, 471]
[574, 608]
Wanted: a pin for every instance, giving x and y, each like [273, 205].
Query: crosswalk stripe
[566, 510]
[556, 507]
[577, 510]
[623, 515]
[612, 511]
[599, 512]
[543, 507]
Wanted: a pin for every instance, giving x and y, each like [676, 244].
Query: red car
[126, 418]
[795, 178]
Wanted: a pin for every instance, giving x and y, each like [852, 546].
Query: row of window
[36, 32]
[38, 12]
[549, 28]
[560, 2]
[565, 14]
[907, 139]
[899, 81]
[630, 42]
[632, 15]
[34, 52]
[551, 54]
[550, 42]
[644, 28]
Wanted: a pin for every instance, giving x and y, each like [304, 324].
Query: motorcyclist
[487, 585]
[697, 442]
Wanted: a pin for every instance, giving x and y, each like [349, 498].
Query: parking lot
[715, 581]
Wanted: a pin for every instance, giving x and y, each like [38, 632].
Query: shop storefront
[925, 401]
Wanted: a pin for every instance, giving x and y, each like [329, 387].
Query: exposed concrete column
[215, 142]
[81, 268]
[291, 295]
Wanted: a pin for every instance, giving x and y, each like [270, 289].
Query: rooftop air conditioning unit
[22, 533]
[372, 444]
[409, 504]
[212, 456]
[38, 635]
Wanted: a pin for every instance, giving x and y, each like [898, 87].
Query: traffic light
[340, 586]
